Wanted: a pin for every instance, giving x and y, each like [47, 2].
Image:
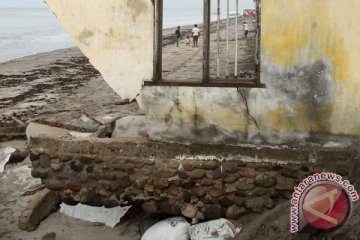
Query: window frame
[206, 80]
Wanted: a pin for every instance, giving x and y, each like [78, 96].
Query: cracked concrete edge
[42, 205]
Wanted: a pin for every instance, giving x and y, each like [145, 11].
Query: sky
[167, 3]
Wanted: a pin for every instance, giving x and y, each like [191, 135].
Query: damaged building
[214, 147]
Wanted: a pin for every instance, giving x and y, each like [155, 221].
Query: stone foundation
[197, 181]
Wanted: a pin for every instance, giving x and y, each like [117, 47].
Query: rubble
[43, 204]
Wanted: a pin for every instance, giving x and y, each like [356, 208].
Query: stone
[161, 183]
[265, 180]
[34, 156]
[214, 213]
[230, 178]
[285, 184]
[57, 166]
[216, 174]
[43, 203]
[42, 173]
[247, 172]
[165, 173]
[231, 187]
[234, 212]
[93, 199]
[188, 210]
[264, 168]
[209, 165]
[76, 166]
[53, 184]
[206, 182]
[215, 193]
[73, 186]
[199, 191]
[259, 204]
[245, 184]
[19, 156]
[168, 207]
[146, 170]
[150, 206]
[49, 236]
[176, 192]
[197, 174]
[226, 202]
[291, 173]
[188, 165]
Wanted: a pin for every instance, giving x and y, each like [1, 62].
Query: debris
[168, 229]
[5, 154]
[49, 236]
[44, 203]
[19, 156]
[109, 216]
[217, 230]
[33, 191]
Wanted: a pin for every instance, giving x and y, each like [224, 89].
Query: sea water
[33, 30]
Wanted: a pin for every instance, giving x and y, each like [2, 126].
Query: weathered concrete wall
[116, 36]
[200, 181]
[310, 57]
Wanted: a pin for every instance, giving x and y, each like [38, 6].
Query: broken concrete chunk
[130, 127]
[44, 203]
[109, 216]
[76, 124]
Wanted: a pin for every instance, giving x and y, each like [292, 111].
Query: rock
[76, 166]
[206, 182]
[56, 166]
[161, 183]
[245, 184]
[216, 174]
[291, 173]
[200, 192]
[43, 203]
[215, 193]
[234, 212]
[130, 127]
[247, 172]
[75, 187]
[214, 213]
[264, 168]
[258, 204]
[188, 165]
[165, 173]
[188, 210]
[265, 180]
[285, 184]
[150, 206]
[53, 184]
[169, 208]
[34, 156]
[230, 178]
[49, 236]
[40, 173]
[197, 174]
[19, 156]
[225, 202]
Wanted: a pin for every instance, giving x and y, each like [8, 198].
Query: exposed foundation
[197, 181]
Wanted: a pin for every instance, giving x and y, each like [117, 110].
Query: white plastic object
[175, 228]
[215, 230]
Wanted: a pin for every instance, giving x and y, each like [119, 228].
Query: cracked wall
[309, 54]
[310, 58]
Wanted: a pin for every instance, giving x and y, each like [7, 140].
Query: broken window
[228, 53]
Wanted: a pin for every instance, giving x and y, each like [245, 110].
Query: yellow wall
[301, 32]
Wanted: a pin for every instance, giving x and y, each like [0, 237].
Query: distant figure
[178, 36]
[246, 29]
[188, 40]
[196, 34]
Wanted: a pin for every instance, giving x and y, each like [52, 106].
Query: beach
[63, 81]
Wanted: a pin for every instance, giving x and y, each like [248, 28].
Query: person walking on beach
[196, 34]
[178, 36]
[246, 29]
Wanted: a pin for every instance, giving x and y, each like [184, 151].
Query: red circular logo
[326, 206]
